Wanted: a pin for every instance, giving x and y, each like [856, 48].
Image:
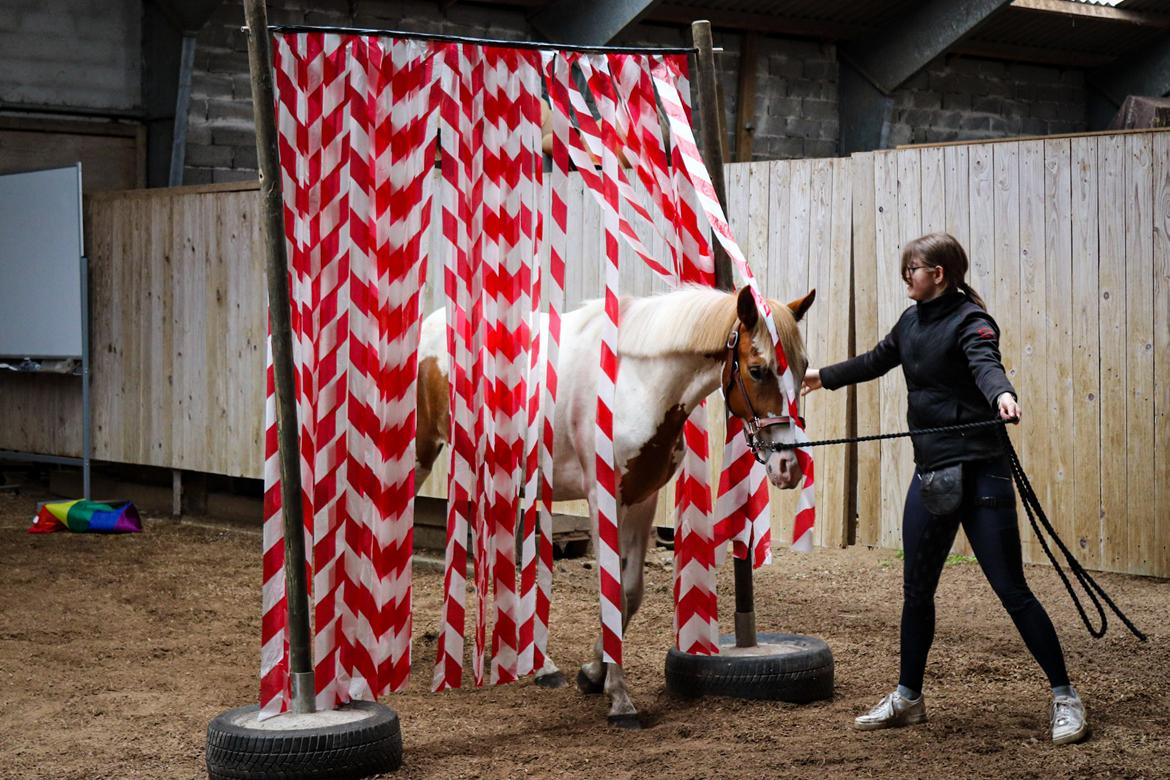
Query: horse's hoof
[552, 680]
[586, 685]
[628, 722]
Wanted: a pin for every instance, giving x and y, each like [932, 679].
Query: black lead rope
[1091, 587]
[1033, 509]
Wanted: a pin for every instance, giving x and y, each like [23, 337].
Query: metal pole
[182, 106]
[508, 44]
[263, 100]
[712, 130]
[86, 411]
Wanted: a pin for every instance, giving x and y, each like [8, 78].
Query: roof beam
[588, 24]
[1086, 10]
[904, 46]
[765, 24]
[1066, 58]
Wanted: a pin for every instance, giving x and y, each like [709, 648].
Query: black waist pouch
[942, 489]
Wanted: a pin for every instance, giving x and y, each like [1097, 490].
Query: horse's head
[751, 384]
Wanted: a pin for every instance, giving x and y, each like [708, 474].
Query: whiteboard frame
[86, 419]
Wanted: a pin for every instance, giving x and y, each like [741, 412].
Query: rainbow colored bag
[87, 517]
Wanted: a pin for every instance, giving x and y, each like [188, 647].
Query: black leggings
[995, 539]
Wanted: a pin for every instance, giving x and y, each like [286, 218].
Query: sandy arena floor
[115, 653]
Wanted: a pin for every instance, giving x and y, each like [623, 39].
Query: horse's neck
[686, 379]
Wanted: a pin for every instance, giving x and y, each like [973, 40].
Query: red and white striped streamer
[696, 617]
[355, 206]
[536, 542]
[666, 71]
[357, 122]
[456, 137]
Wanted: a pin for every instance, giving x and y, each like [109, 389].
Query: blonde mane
[691, 320]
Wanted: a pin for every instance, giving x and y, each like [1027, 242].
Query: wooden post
[711, 127]
[712, 131]
[745, 100]
[276, 266]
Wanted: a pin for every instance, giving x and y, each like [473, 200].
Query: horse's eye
[758, 372]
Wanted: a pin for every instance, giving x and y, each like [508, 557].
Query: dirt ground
[116, 651]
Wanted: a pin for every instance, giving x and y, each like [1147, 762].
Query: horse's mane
[689, 320]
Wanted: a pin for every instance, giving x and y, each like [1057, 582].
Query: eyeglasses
[910, 269]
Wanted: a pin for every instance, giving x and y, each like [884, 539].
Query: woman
[948, 347]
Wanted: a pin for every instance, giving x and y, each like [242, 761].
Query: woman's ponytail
[975, 297]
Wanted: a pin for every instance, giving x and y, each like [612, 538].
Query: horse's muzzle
[783, 469]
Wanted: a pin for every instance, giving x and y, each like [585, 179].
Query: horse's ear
[800, 305]
[745, 307]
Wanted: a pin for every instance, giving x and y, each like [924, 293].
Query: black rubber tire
[798, 677]
[362, 748]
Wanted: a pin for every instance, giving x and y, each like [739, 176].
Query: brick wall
[796, 104]
[796, 97]
[71, 53]
[964, 99]
[221, 144]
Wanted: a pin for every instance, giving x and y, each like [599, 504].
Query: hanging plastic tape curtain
[360, 120]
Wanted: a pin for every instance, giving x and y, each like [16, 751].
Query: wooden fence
[1068, 241]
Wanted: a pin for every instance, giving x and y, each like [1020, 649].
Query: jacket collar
[929, 311]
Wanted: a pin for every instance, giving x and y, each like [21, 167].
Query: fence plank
[1031, 379]
[1054, 446]
[867, 490]
[1161, 422]
[820, 405]
[757, 246]
[795, 279]
[909, 228]
[1086, 346]
[934, 202]
[1003, 299]
[738, 211]
[1139, 351]
[833, 467]
[1111, 210]
[779, 227]
[981, 189]
[892, 389]
[794, 282]
[1003, 296]
[957, 194]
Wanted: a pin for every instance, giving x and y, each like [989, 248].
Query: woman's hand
[1008, 407]
[812, 381]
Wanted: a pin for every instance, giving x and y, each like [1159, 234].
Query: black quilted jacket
[949, 352]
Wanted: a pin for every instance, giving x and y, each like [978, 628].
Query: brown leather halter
[754, 425]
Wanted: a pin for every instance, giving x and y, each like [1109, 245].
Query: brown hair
[942, 250]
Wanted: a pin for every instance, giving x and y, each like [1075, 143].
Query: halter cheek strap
[753, 425]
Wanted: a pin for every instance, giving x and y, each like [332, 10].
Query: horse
[674, 350]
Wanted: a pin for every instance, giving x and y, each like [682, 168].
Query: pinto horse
[675, 350]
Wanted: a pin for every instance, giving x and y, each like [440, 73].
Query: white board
[40, 264]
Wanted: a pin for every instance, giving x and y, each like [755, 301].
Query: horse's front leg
[634, 525]
[591, 676]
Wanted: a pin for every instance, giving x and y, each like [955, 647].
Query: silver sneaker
[891, 712]
[1069, 724]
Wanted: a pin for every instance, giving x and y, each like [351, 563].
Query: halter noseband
[754, 425]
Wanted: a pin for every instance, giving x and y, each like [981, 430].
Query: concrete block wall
[797, 111]
[83, 54]
[965, 99]
[220, 131]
